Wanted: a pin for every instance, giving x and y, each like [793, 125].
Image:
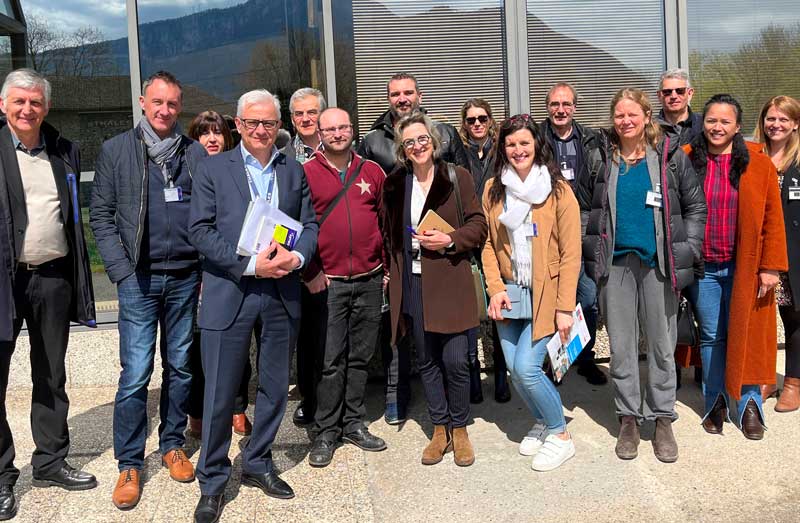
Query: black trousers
[440, 357]
[42, 298]
[353, 328]
[311, 345]
[791, 328]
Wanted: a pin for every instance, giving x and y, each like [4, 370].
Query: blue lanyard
[254, 188]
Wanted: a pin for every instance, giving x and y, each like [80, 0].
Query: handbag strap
[341, 194]
[451, 172]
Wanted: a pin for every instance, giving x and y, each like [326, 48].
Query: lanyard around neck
[254, 187]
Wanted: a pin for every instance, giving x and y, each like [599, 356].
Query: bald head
[335, 131]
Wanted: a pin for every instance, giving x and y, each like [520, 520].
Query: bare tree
[40, 41]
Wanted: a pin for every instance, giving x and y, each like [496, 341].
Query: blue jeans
[587, 297]
[524, 359]
[711, 297]
[144, 297]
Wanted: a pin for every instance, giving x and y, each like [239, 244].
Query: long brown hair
[791, 108]
[652, 132]
[480, 103]
[213, 121]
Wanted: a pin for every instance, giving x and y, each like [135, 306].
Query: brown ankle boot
[789, 399]
[768, 391]
[664, 445]
[463, 454]
[628, 439]
[439, 445]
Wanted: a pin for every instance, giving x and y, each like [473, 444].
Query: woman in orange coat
[744, 251]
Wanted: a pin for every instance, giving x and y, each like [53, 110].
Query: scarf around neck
[520, 197]
[158, 150]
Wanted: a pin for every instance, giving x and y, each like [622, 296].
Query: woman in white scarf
[534, 248]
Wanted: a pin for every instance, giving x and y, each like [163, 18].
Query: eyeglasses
[680, 91]
[524, 118]
[472, 119]
[251, 124]
[311, 113]
[422, 140]
[565, 105]
[338, 129]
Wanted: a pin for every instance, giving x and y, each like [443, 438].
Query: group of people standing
[624, 221]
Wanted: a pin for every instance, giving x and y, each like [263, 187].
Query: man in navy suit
[241, 292]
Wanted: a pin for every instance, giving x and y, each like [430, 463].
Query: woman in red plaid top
[744, 251]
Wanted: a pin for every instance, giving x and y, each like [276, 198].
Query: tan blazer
[556, 255]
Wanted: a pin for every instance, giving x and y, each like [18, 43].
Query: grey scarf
[160, 151]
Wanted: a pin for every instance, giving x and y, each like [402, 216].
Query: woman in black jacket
[777, 129]
[645, 230]
[478, 132]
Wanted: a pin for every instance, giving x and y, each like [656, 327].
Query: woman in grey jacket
[646, 219]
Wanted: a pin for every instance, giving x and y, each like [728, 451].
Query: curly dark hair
[542, 152]
[740, 156]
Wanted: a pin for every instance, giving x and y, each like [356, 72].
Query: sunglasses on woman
[472, 119]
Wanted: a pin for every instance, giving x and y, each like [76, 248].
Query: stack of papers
[562, 356]
[264, 223]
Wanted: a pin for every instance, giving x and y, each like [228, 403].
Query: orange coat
[556, 256]
[760, 245]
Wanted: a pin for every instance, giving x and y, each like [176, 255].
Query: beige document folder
[432, 221]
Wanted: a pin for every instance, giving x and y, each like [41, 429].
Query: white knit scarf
[520, 196]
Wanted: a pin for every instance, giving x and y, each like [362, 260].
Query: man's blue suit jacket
[220, 196]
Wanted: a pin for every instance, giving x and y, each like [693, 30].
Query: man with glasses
[140, 217]
[305, 106]
[348, 273]
[577, 152]
[404, 96]
[676, 117]
[242, 292]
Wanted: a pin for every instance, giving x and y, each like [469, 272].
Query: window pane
[220, 49]
[599, 47]
[752, 51]
[83, 51]
[454, 48]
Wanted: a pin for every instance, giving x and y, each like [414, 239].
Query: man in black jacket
[577, 151]
[140, 217]
[676, 117]
[48, 268]
[404, 97]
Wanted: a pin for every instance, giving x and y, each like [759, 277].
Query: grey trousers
[635, 296]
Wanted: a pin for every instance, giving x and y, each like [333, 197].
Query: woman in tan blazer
[534, 246]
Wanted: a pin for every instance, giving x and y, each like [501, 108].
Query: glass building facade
[506, 51]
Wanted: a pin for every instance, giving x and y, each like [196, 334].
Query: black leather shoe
[67, 478]
[395, 414]
[751, 422]
[321, 452]
[8, 503]
[592, 373]
[270, 483]
[303, 415]
[209, 509]
[502, 394]
[363, 439]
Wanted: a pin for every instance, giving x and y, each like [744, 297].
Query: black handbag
[688, 332]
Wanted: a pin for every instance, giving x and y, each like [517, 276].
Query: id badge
[794, 193]
[531, 230]
[568, 174]
[173, 194]
[654, 199]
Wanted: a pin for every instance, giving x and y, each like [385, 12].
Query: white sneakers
[553, 453]
[534, 440]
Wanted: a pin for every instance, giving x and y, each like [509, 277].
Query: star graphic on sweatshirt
[364, 186]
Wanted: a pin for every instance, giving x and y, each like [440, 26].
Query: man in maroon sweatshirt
[346, 192]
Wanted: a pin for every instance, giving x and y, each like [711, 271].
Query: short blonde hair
[411, 119]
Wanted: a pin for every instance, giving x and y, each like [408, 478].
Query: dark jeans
[791, 328]
[396, 363]
[587, 297]
[311, 346]
[440, 357]
[42, 298]
[145, 298]
[354, 321]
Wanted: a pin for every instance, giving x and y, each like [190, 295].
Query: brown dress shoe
[439, 445]
[664, 445]
[242, 425]
[126, 492]
[463, 453]
[180, 468]
[715, 418]
[790, 396]
[628, 439]
[751, 422]
[768, 391]
[195, 427]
